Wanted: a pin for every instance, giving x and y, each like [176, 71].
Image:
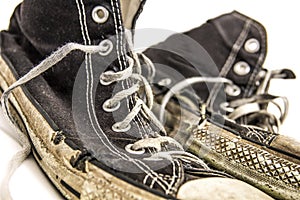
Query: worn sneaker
[83, 110]
[212, 84]
[237, 46]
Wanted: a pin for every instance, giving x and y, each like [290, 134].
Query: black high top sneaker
[237, 46]
[212, 93]
[86, 108]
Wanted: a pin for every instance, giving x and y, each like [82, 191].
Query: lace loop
[111, 104]
[123, 125]
[107, 78]
[256, 110]
[148, 89]
[248, 111]
[156, 143]
[111, 77]
[182, 155]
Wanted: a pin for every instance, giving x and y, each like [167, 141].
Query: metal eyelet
[110, 108]
[241, 68]
[100, 14]
[252, 45]
[233, 90]
[107, 47]
[129, 149]
[116, 127]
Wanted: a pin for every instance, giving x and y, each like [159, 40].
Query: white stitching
[124, 62]
[117, 34]
[121, 34]
[251, 83]
[137, 121]
[108, 144]
[84, 31]
[81, 23]
[260, 61]
[88, 58]
[122, 54]
[118, 40]
[228, 64]
[170, 188]
[84, 22]
[180, 176]
[89, 90]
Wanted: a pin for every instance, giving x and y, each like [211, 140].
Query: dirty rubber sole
[269, 171]
[54, 157]
[275, 172]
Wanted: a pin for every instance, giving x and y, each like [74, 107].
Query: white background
[281, 19]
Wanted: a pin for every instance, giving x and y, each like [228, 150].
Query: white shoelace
[133, 72]
[252, 108]
[111, 77]
[22, 139]
[256, 108]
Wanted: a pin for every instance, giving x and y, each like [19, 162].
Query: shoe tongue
[130, 10]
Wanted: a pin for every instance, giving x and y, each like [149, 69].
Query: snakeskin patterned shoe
[83, 108]
[211, 82]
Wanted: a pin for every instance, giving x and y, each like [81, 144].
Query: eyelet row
[242, 68]
[100, 15]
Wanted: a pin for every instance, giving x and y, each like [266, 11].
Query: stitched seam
[81, 23]
[229, 62]
[118, 49]
[117, 34]
[137, 120]
[121, 33]
[107, 145]
[84, 22]
[123, 55]
[170, 188]
[124, 62]
[251, 83]
[150, 170]
[84, 35]
[179, 175]
[88, 57]
[236, 48]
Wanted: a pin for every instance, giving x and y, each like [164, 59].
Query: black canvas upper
[212, 50]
